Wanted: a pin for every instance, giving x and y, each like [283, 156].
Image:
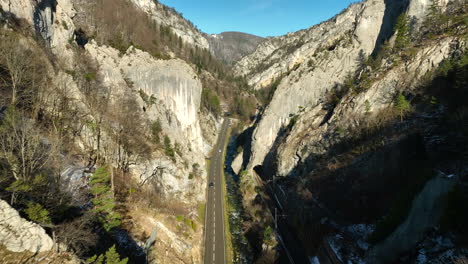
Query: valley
[128, 135]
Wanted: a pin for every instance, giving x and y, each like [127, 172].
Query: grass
[228, 236]
[201, 212]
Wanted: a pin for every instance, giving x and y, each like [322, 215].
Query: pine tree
[433, 19]
[111, 257]
[402, 32]
[402, 105]
[103, 201]
[37, 213]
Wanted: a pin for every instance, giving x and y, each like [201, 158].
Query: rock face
[320, 59]
[314, 63]
[176, 90]
[232, 46]
[425, 214]
[48, 18]
[169, 17]
[310, 134]
[19, 235]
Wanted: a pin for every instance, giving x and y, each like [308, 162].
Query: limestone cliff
[324, 145]
[315, 61]
[166, 92]
[19, 235]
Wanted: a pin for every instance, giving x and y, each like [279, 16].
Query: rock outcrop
[19, 235]
[176, 91]
[310, 135]
[318, 59]
[169, 17]
[314, 63]
[425, 214]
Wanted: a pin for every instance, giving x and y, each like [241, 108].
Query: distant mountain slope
[230, 47]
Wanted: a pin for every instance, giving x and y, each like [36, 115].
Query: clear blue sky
[258, 17]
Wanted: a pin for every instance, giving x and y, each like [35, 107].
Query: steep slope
[230, 47]
[313, 61]
[123, 108]
[339, 143]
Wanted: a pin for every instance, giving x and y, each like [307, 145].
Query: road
[215, 241]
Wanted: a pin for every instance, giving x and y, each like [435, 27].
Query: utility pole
[276, 219]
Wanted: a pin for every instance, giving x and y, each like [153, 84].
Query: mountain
[348, 126]
[120, 105]
[232, 46]
[348, 144]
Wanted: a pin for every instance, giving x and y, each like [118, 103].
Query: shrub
[211, 102]
[37, 213]
[169, 150]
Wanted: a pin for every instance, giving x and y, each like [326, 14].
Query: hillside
[230, 47]
[348, 144]
[108, 112]
[358, 124]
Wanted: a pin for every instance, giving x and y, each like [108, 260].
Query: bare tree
[21, 146]
[78, 235]
[20, 69]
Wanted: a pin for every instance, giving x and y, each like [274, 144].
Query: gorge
[347, 140]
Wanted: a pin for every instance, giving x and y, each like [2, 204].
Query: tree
[111, 257]
[156, 129]
[78, 235]
[37, 213]
[169, 150]
[103, 201]
[435, 18]
[21, 146]
[402, 32]
[402, 105]
[22, 67]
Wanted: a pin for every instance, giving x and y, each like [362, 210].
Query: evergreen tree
[402, 105]
[37, 213]
[111, 257]
[402, 32]
[103, 201]
[434, 17]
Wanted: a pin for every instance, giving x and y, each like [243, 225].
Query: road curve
[215, 241]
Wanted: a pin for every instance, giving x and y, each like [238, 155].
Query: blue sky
[258, 17]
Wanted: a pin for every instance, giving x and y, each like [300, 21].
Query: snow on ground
[314, 260]
[335, 245]
[422, 258]
[360, 233]
[345, 250]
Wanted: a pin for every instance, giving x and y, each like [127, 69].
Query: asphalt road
[215, 241]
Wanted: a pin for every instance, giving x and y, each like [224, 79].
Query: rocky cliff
[323, 145]
[314, 61]
[310, 64]
[165, 94]
[19, 235]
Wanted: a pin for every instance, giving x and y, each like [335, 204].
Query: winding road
[215, 241]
